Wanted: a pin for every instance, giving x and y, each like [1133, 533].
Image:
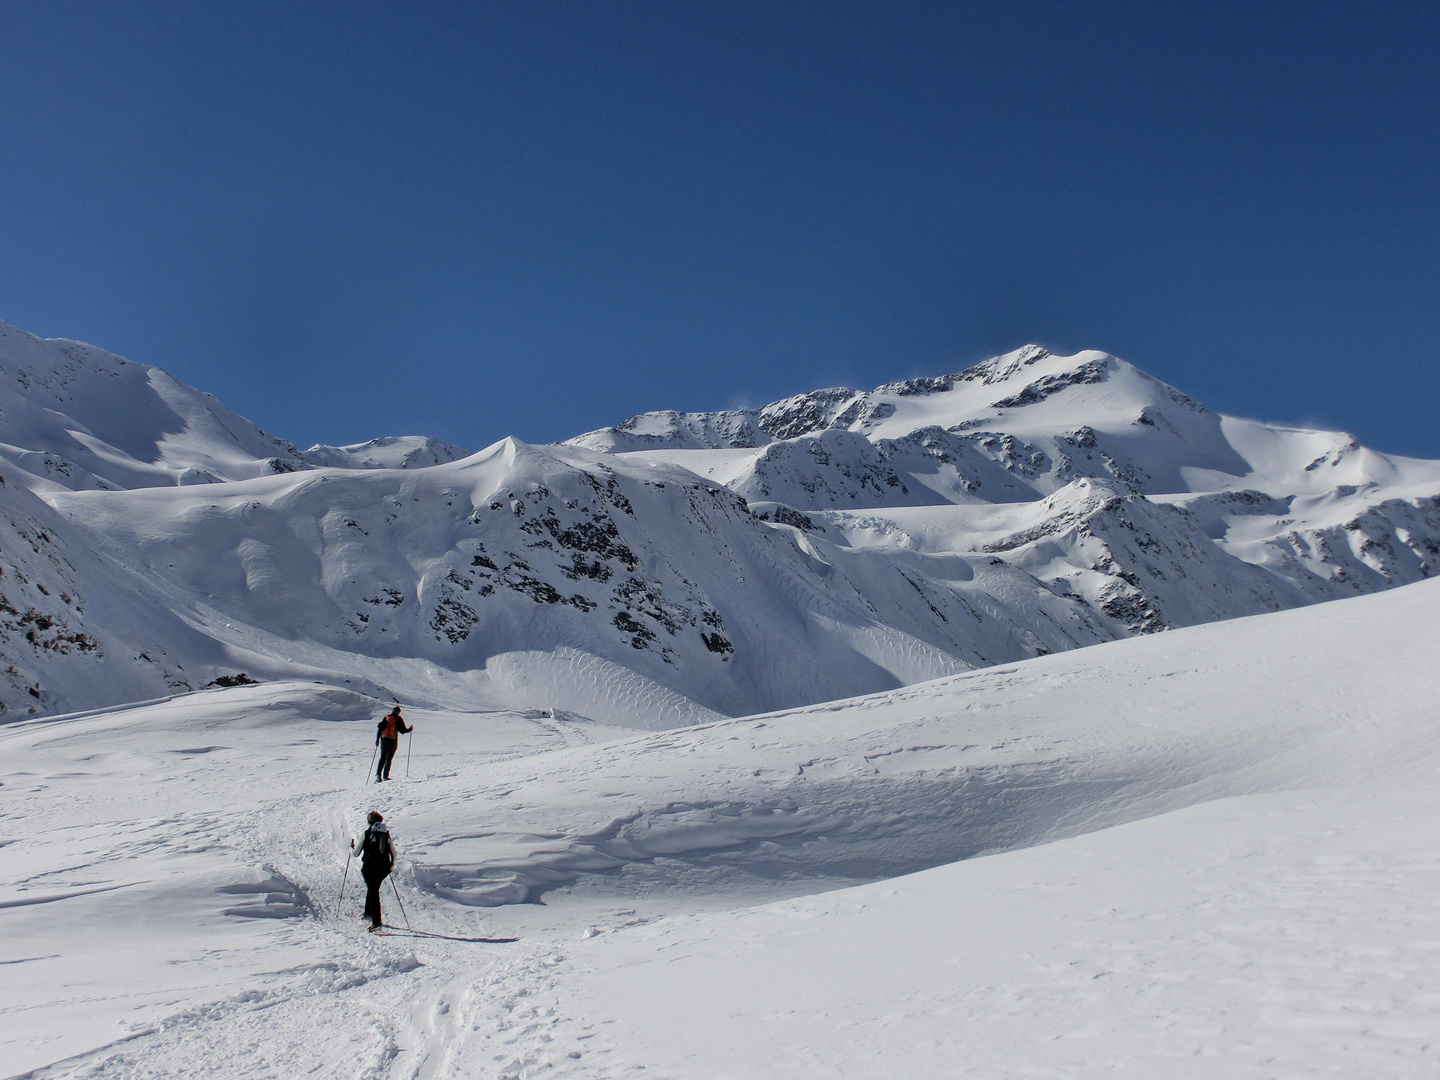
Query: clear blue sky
[355, 219]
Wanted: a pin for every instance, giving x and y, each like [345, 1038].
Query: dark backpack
[376, 848]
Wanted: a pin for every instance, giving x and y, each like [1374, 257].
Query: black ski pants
[387, 752]
[373, 880]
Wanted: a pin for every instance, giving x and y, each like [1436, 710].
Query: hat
[375, 816]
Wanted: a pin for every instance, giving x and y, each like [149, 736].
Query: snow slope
[524, 576]
[1197, 853]
[1256, 937]
[74, 417]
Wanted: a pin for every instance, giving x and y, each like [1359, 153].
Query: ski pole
[397, 900]
[372, 760]
[342, 883]
[408, 744]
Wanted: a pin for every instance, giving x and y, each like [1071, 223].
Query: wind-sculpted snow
[993, 760]
[522, 559]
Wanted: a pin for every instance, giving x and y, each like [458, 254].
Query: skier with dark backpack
[377, 859]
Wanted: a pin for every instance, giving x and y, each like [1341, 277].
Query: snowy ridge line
[89, 714]
[59, 423]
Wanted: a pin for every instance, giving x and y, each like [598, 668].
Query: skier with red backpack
[387, 738]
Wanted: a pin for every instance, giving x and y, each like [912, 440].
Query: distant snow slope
[75, 417]
[673, 569]
[524, 576]
[173, 897]
[395, 452]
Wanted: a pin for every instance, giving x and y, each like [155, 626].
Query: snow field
[1264, 936]
[1007, 757]
[163, 856]
[1207, 852]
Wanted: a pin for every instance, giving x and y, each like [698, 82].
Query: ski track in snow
[1212, 852]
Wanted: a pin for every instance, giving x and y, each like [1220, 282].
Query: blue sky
[348, 220]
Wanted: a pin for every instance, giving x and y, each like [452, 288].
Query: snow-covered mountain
[674, 568]
[388, 452]
[1047, 461]
[75, 417]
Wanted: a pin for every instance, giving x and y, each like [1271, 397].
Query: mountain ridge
[675, 567]
[75, 416]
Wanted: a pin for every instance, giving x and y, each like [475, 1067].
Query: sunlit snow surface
[1210, 852]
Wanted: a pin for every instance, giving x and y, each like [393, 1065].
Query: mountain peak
[995, 369]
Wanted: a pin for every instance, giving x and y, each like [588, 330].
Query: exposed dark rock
[1014, 455]
[784, 515]
[793, 417]
[388, 597]
[1093, 372]
[641, 636]
[863, 412]
[1134, 610]
[718, 643]
[453, 618]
